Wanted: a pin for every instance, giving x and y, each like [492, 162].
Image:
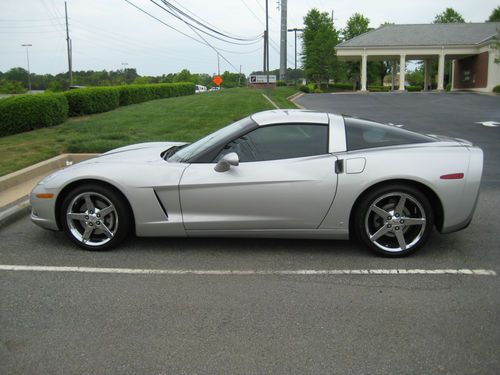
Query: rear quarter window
[361, 134]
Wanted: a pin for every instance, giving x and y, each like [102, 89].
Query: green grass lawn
[185, 118]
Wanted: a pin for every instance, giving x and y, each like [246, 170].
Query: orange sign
[217, 80]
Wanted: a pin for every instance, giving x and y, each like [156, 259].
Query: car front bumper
[43, 209]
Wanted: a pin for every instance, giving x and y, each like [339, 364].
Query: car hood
[140, 152]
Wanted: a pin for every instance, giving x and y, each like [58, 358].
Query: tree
[17, 75]
[450, 15]
[319, 40]
[356, 25]
[143, 80]
[495, 15]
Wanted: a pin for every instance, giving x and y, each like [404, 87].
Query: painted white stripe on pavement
[462, 271]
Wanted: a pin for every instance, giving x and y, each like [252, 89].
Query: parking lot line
[450, 271]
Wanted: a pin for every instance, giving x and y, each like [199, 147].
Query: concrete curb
[15, 187]
[296, 96]
[46, 166]
[270, 101]
[15, 212]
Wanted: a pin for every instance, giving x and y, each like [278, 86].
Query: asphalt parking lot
[83, 321]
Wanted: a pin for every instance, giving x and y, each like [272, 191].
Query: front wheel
[95, 217]
[394, 220]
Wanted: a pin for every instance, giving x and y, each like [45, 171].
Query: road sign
[217, 80]
[262, 78]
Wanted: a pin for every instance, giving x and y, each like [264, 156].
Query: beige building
[470, 47]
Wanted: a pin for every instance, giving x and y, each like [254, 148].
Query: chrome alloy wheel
[92, 219]
[395, 222]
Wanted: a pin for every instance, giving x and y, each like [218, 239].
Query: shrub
[12, 87]
[413, 88]
[334, 87]
[378, 88]
[92, 100]
[496, 89]
[312, 86]
[27, 112]
[305, 89]
[280, 83]
[132, 94]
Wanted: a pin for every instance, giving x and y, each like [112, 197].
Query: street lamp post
[28, 59]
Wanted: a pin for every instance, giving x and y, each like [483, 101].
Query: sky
[113, 34]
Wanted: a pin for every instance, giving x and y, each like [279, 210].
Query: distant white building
[470, 47]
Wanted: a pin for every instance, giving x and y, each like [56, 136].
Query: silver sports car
[280, 173]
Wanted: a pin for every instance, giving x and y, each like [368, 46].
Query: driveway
[450, 114]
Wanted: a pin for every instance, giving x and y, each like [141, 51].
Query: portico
[468, 46]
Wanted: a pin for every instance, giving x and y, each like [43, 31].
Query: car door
[285, 180]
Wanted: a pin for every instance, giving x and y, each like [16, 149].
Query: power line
[251, 11]
[164, 23]
[193, 26]
[208, 44]
[204, 23]
[190, 37]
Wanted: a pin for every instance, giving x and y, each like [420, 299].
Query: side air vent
[161, 205]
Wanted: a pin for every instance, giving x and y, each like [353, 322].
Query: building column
[394, 65]
[440, 82]
[402, 72]
[363, 71]
[427, 74]
[452, 75]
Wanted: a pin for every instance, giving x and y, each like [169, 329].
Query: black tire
[105, 231]
[382, 235]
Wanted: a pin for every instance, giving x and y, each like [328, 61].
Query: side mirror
[225, 163]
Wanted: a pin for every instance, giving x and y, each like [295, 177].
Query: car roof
[277, 116]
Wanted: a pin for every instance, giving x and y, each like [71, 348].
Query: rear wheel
[95, 217]
[394, 220]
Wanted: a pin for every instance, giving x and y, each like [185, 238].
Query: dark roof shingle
[439, 34]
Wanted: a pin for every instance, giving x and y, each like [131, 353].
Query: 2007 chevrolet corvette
[280, 173]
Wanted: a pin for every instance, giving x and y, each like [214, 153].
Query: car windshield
[185, 153]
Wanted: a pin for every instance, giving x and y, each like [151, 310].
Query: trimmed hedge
[333, 87]
[496, 89]
[132, 94]
[27, 112]
[102, 99]
[92, 100]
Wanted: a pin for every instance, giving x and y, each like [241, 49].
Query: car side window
[363, 134]
[283, 141]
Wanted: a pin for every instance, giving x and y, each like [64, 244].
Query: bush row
[26, 112]
[336, 87]
[132, 94]
[496, 89]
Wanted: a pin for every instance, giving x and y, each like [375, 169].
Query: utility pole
[68, 41]
[28, 59]
[264, 61]
[283, 35]
[239, 77]
[218, 64]
[295, 30]
[267, 43]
